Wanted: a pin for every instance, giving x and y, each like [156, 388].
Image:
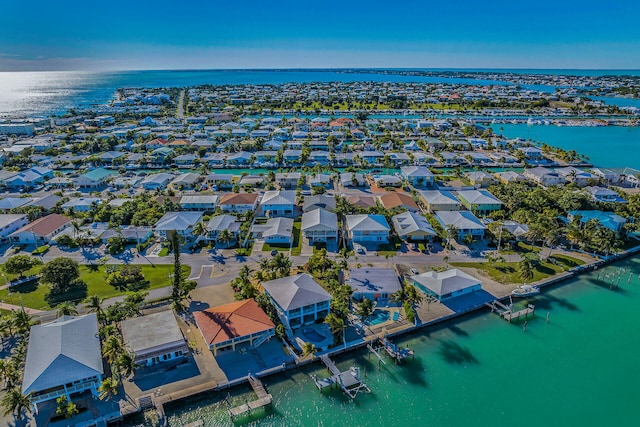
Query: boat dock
[506, 313]
[264, 398]
[397, 353]
[349, 381]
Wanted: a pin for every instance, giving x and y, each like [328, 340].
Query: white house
[299, 299]
[180, 222]
[367, 228]
[320, 225]
[462, 223]
[239, 203]
[41, 231]
[412, 226]
[275, 231]
[375, 284]
[278, 203]
[159, 180]
[448, 284]
[206, 203]
[418, 176]
[436, 200]
[10, 223]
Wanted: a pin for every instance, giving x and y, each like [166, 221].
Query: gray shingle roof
[61, 352]
[296, 291]
[319, 217]
[445, 282]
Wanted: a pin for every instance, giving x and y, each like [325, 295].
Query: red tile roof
[392, 200]
[237, 319]
[239, 199]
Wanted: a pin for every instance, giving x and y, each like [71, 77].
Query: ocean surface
[46, 93]
[579, 369]
[609, 147]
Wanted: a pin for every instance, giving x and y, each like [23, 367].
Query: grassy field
[34, 295]
[507, 272]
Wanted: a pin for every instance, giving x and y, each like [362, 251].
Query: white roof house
[411, 225]
[368, 228]
[446, 284]
[463, 222]
[319, 225]
[181, 222]
[437, 200]
[276, 230]
[65, 351]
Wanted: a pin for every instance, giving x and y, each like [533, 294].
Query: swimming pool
[378, 316]
[312, 335]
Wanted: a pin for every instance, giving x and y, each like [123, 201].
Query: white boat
[525, 291]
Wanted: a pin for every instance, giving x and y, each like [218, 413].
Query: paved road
[180, 107]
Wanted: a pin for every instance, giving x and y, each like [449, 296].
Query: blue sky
[160, 34]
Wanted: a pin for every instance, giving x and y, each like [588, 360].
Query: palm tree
[308, 348]
[225, 236]
[66, 308]
[281, 265]
[14, 402]
[412, 295]
[108, 388]
[107, 331]
[22, 321]
[6, 326]
[199, 230]
[112, 348]
[525, 269]
[127, 364]
[94, 304]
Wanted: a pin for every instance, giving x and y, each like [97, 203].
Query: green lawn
[507, 272]
[34, 294]
[566, 261]
[164, 251]
[282, 248]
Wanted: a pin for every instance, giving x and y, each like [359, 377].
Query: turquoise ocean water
[609, 147]
[580, 369]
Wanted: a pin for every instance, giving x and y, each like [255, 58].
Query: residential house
[479, 178]
[544, 176]
[179, 222]
[204, 203]
[321, 201]
[228, 326]
[299, 299]
[10, 223]
[41, 231]
[609, 220]
[605, 195]
[367, 228]
[320, 180]
[412, 226]
[418, 176]
[239, 203]
[63, 358]
[480, 202]
[375, 284]
[276, 231]
[157, 181]
[398, 199]
[186, 181]
[82, 204]
[93, 179]
[288, 180]
[223, 222]
[437, 200]
[9, 203]
[219, 181]
[388, 181]
[532, 153]
[278, 203]
[445, 285]
[320, 225]
[508, 177]
[351, 179]
[364, 202]
[461, 223]
[154, 338]
[577, 176]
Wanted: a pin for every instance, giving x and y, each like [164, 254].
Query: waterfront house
[205, 203]
[251, 181]
[367, 228]
[480, 202]
[437, 200]
[606, 174]
[461, 223]
[10, 223]
[445, 285]
[577, 176]
[278, 203]
[186, 181]
[299, 299]
[220, 181]
[321, 201]
[532, 153]
[277, 231]
[227, 326]
[412, 226]
[609, 220]
[320, 180]
[288, 180]
[479, 178]
[93, 179]
[387, 181]
[154, 338]
[179, 222]
[41, 231]
[375, 284]
[320, 225]
[418, 176]
[239, 203]
[185, 160]
[544, 176]
[508, 177]
[157, 181]
[63, 358]
[351, 179]
[223, 222]
[398, 199]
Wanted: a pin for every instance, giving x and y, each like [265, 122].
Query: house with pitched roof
[398, 199]
[278, 203]
[375, 284]
[320, 225]
[437, 200]
[367, 228]
[461, 222]
[275, 231]
[228, 326]
[180, 222]
[93, 179]
[199, 203]
[63, 358]
[41, 231]
[10, 223]
[445, 285]
[413, 227]
[239, 203]
[223, 222]
[480, 202]
[418, 176]
[299, 299]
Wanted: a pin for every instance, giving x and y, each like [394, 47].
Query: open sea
[579, 369]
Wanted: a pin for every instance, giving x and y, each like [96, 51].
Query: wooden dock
[507, 314]
[349, 381]
[398, 354]
[264, 399]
